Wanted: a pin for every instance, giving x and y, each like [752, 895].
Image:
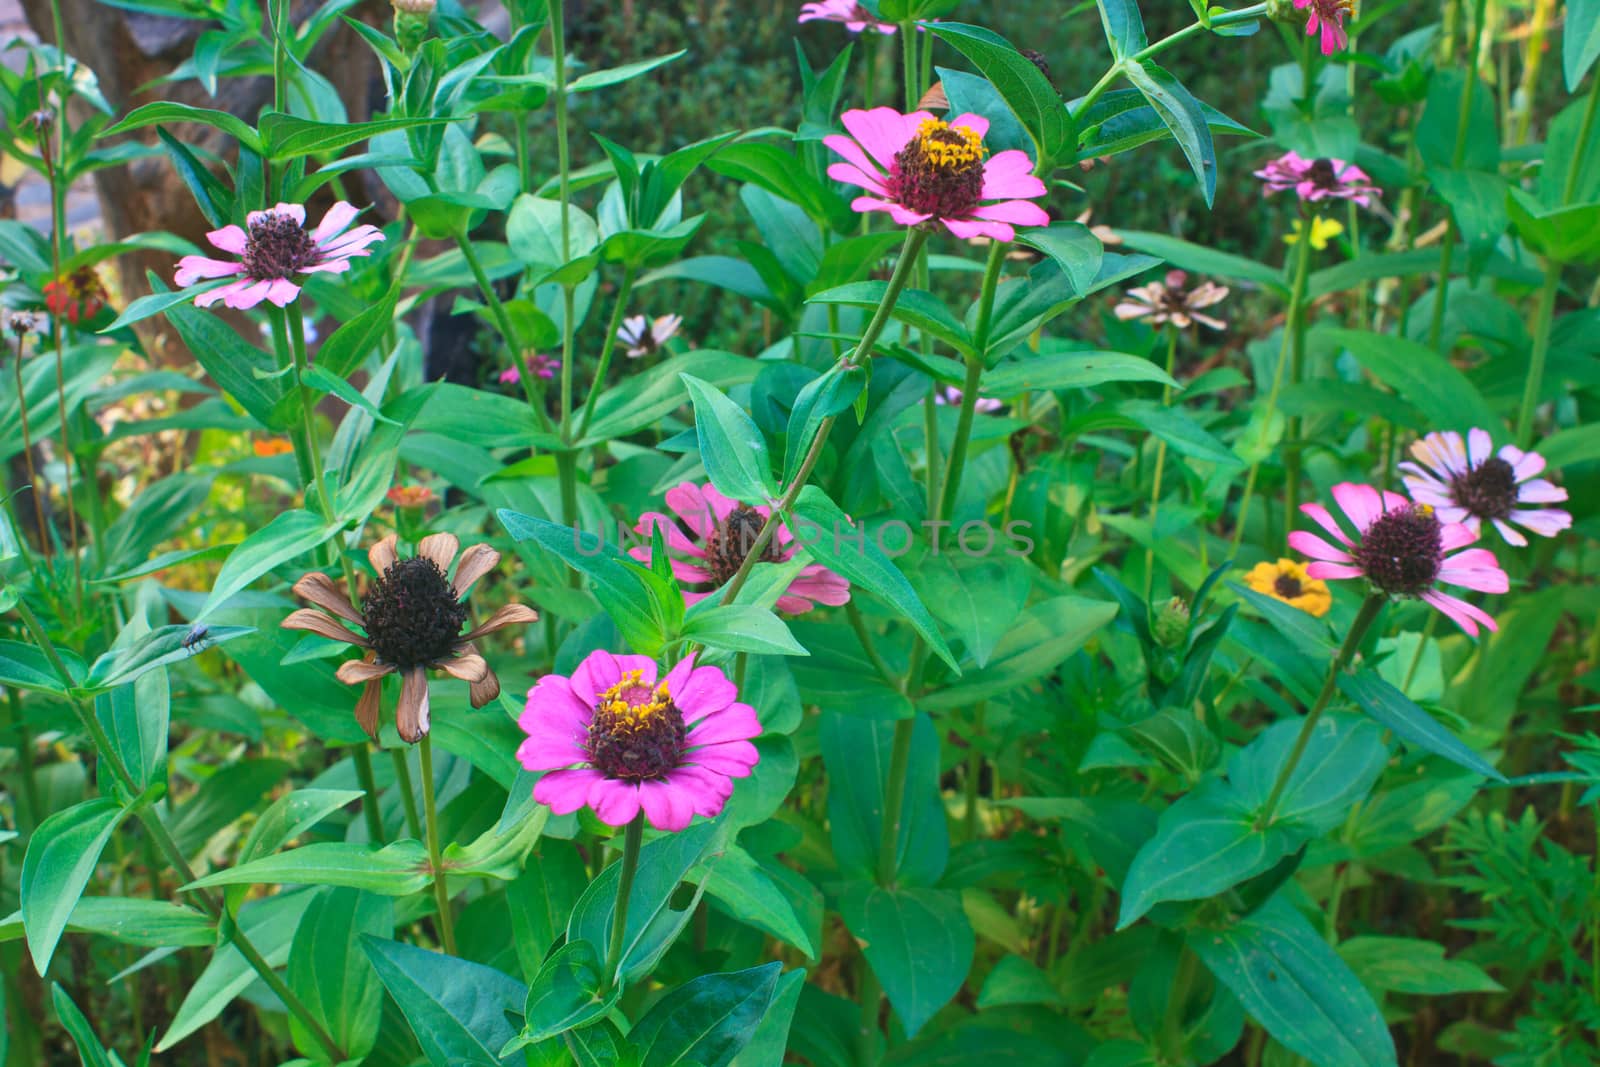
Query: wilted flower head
[619, 737]
[415, 7]
[1468, 482]
[1328, 16]
[22, 323]
[644, 337]
[410, 496]
[539, 365]
[1168, 301]
[1287, 580]
[855, 17]
[412, 622]
[275, 247]
[923, 170]
[1318, 179]
[76, 297]
[272, 446]
[1403, 551]
[1321, 231]
[716, 533]
[951, 396]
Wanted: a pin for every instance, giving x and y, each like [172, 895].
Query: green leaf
[731, 445]
[642, 399]
[1339, 764]
[1069, 370]
[771, 1038]
[158, 648]
[569, 992]
[1073, 246]
[741, 628]
[599, 79]
[457, 1009]
[133, 921]
[706, 1021]
[917, 941]
[655, 917]
[856, 751]
[1183, 116]
[167, 112]
[289, 136]
[533, 233]
[1293, 984]
[347, 346]
[233, 364]
[915, 307]
[980, 598]
[1580, 41]
[1124, 27]
[1423, 377]
[27, 667]
[62, 855]
[1412, 965]
[397, 869]
[1025, 89]
[1121, 121]
[91, 1053]
[1395, 711]
[824, 397]
[325, 382]
[330, 973]
[1042, 639]
[1579, 444]
[821, 527]
[1015, 980]
[286, 819]
[288, 536]
[135, 718]
[215, 200]
[1203, 260]
[749, 892]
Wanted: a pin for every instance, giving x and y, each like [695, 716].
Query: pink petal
[966, 229]
[282, 292]
[1459, 611]
[821, 585]
[1507, 531]
[736, 722]
[564, 792]
[852, 153]
[732, 758]
[1360, 502]
[1546, 522]
[1474, 569]
[1009, 175]
[1021, 212]
[1324, 519]
[338, 217]
[1394, 501]
[701, 692]
[248, 297]
[667, 806]
[722, 506]
[1525, 465]
[1454, 535]
[901, 215]
[1330, 571]
[230, 239]
[690, 504]
[789, 604]
[223, 292]
[671, 535]
[193, 269]
[1540, 491]
[353, 243]
[598, 672]
[976, 123]
[882, 131]
[1480, 446]
[331, 266]
[707, 790]
[615, 802]
[1309, 544]
[545, 752]
[854, 175]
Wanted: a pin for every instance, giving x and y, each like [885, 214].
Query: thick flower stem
[975, 365]
[408, 796]
[632, 838]
[1541, 348]
[53, 155]
[1228, 18]
[894, 802]
[441, 892]
[1364, 619]
[607, 346]
[107, 754]
[297, 352]
[502, 320]
[915, 238]
[45, 544]
[369, 785]
[1161, 462]
[1447, 247]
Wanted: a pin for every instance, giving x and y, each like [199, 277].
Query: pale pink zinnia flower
[539, 364]
[644, 337]
[614, 738]
[951, 397]
[275, 247]
[717, 533]
[1403, 551]
[1168, 301]
[922, 170]
[1328, 16]
[855, 17]
[1467, 482]
[1318, 179]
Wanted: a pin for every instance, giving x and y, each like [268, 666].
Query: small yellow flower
[1286, 580]
[1322, 231]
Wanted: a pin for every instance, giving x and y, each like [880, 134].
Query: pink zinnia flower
[614, 738]
[855, 17]
[539, 364]
[1401, 550]
[921, 170]
[1468, 483]
[717, 533]
[644, 337]
[1318, 179]
[1329, 16]
[276, 246]
[951, 397]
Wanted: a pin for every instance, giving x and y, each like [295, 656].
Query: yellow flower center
[949, 147]
[637, 731]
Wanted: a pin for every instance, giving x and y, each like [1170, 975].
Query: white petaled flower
[1468, 482]
[644, 337]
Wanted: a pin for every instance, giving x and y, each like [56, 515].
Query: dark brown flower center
[940, 173]
[413, 616]
[278, 247]
[637, 731]
[1322, 174]
[1402, 550]
[1488, 490]
[1287, 586]
[730, 543]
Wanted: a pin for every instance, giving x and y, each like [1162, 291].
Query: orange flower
[272, 446]
[410, 496]
[76, 297]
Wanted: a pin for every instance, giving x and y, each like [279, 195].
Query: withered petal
[411, 716]
[469, 667]
[324, 625]
[368, 708]
[482, 692]
[357, 671]
[321, 591]
[439, 547]
[382, 555]
[476, 561]
[510, 615]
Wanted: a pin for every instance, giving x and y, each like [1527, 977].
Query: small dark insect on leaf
[195, 639]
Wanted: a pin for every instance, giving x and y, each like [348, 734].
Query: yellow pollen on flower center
[949, 147]
[631, 704]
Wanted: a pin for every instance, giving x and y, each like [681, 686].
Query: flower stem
[1447, 248]
[1541, 348]
[54, 154]
[297, 352]
[1367, 614]
[607, 345]
[894, 802]
[502, 320]
[1570, 185]
[39, 496]
[1161, 462]
[915, 239]
[369, 785]
[441, 892]
[975, 365]
[408, 796]
[632, 837]
[974, 773]
[1228, 18]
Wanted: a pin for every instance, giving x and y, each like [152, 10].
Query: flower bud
[411, 19]
[1284, 11]
[1171, 626]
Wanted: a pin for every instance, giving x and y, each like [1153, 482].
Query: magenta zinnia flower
[1318, 179]
[855, 17]
[1468, 483]
[614, 738]
[921, 170]
[717, 533]
[1401, 550]
[539, 365]
[1329, 16]
[950, 396]
[276, 246]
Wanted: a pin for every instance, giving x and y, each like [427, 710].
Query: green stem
[1228, 18]
[1178, 1000]
[908, 60]
[1469, 84]
[369, 785]
[297, 352]
[1570, 185]
[870, 996]
[1416, 657]
[607, 345]
[54, 156]
[1161, 462]
[19, 726]
[863, 350]
[1364, 619]
[632, 837]
[894, 803]
[502, 321]
[1541, 348]
[974, 773]
[441, 891]
[969, 395]
[39, 496]
[408, 796]
[859, 625]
